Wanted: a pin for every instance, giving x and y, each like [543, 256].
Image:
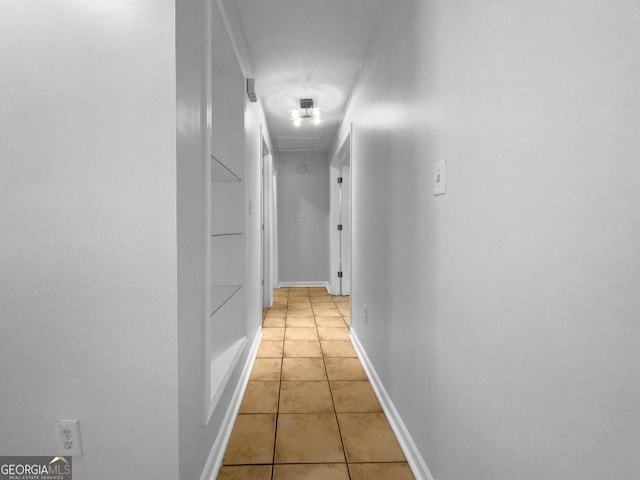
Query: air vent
[298, 144]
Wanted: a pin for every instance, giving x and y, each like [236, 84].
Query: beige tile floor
[309, 412]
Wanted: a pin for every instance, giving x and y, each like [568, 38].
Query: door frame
[267, 223]
[340, 214]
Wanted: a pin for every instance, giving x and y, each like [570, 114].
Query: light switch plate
[440, 178]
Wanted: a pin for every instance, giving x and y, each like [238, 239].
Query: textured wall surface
[503, 316]
[88, 242]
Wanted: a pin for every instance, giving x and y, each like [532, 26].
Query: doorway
[267, 223]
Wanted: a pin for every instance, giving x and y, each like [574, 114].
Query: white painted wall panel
[503, 315]
[88, 242]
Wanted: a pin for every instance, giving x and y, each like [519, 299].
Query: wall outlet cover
[68, 436]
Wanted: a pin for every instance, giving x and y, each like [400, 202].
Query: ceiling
[306, 49]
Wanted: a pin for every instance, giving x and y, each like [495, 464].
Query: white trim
[268, 218]
[214, 461]
[305, 284]
[223, 362]
[414, 458]
[206, 308]
[232, 23]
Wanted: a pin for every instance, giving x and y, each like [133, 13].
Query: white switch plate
[440, 178]
[302, 218]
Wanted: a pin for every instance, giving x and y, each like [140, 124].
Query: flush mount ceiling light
[307, 110]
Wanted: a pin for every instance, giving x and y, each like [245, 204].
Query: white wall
[102, 252]
[254, 127]
[503, 316]
[202, 446]
[88, 242]
[303, 190]
[255, 131]
[196, 440]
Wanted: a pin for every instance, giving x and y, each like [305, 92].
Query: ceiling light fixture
[297, 116]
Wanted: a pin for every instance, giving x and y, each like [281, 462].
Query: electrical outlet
[68, 435]
[364, 314]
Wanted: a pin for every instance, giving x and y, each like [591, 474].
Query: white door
[340, 218]
[345, 233]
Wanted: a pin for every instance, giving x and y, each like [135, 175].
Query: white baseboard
[214, 461]
[305, 284]
[409, 448]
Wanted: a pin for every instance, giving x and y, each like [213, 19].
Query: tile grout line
[333, 403]
[275, 430]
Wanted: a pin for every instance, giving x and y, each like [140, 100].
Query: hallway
[309, 411]
[155, 183]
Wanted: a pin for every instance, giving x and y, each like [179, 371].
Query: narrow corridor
[309, 412]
